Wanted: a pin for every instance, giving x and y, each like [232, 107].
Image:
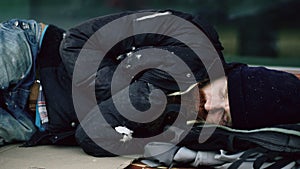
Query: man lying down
[243, 98]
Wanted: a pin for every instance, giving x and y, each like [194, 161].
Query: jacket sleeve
[99, 124]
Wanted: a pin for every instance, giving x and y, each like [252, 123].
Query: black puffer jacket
[89, 91]
[125, 56]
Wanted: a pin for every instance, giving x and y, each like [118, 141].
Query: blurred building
[247, 27]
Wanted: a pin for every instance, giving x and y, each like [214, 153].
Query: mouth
[225, 120]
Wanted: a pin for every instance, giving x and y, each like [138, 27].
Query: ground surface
[55, 157]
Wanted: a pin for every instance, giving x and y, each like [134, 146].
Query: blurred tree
[258, 23]
[128, 4]
[215, 11]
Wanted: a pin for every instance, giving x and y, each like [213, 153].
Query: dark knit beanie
[261, 97]
[49, 53]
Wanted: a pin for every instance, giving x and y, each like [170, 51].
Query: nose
[213, 104]
[207, 105]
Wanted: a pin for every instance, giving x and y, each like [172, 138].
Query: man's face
[214, 103]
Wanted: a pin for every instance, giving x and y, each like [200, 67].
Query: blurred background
[263, 32]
